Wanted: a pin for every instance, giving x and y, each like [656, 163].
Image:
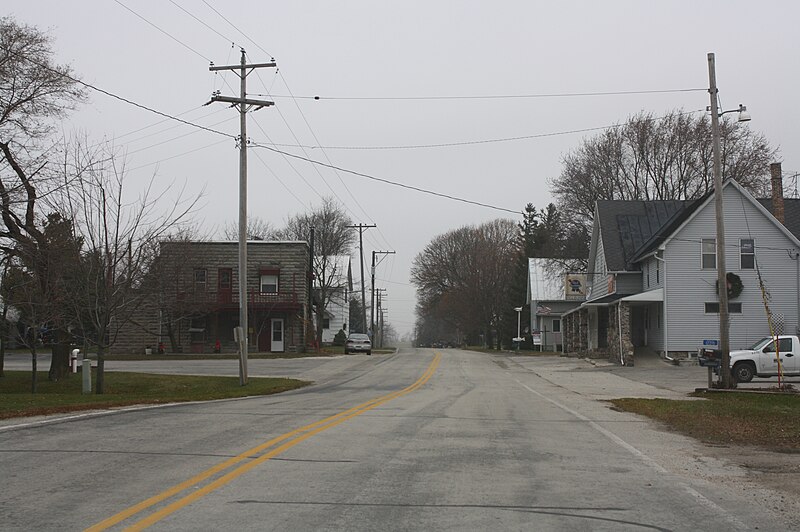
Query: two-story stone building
[195, 302]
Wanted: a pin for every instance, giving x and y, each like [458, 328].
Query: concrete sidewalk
[650, 378]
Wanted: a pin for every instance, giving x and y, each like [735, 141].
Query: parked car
[761, 359]
[358, 342]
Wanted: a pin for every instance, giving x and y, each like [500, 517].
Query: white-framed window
[708, 252]
[658, 272]
[747, 254]
[326, 323]
[556, 325]
[713, 308]
[269, 284]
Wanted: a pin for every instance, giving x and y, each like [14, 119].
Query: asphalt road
[419, 440]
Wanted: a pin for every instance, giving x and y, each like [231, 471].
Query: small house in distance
[552, 291]
[339, 287]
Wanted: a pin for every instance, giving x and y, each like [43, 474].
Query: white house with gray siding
[652, 280]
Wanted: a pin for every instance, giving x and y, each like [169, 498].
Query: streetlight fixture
[722, 283]
[518, 339]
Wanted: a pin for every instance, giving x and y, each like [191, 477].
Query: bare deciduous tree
[120, 232]
[332, 238]
[257, 229]
[651, 158]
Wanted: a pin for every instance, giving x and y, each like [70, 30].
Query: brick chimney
[777, 192]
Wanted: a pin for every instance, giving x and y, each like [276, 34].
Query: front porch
[616, 327]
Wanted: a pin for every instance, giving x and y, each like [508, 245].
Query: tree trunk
[320, 315]
[34, 367]
[59, 364]
[99, 384]
[171, 335]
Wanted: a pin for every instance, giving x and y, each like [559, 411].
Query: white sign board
[537, 338]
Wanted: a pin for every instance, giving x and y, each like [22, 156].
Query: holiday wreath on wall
[735, 285]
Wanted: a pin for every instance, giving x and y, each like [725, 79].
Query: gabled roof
[791, 210]
[747, 196]
[627, 226]
[544, 283]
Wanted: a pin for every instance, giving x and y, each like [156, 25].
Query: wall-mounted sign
[575, 286]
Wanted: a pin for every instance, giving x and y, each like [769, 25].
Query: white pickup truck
[760, 359]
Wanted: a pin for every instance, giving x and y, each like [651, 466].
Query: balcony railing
[223, 298]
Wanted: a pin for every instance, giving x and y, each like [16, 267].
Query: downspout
[796, 258]
[666, 316]
[619, 334]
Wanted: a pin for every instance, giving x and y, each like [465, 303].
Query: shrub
[340, 338]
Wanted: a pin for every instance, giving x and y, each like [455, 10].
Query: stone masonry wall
[174, 275]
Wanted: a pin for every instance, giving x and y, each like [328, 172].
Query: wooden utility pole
[244, 104]
[372, 290]
[361, 228]
[722, 282]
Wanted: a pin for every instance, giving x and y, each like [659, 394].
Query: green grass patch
[764, 420]
[123, 388]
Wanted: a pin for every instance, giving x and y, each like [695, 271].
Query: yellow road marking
[299, 435]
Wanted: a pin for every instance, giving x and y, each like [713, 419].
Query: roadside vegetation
[771, 421]
[122, 389]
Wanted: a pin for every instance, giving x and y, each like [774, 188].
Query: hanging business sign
[575, 286]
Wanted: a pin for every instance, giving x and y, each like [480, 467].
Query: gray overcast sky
[408, 49]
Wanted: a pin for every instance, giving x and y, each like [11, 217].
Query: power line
[165, 32]
[388, 182]
[234, 26]
[492, 96]
[308, 125]
[472, 142]
[201, 22]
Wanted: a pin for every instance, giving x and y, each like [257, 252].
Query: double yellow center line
[290, 439]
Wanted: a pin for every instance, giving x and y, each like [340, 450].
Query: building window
[225, 278]
[269, 284]
[556, 326]
[648, 275]
[658, 272]
[733, 308]
[326, 323]
[200, 276]
[709, 253]
[747, 254]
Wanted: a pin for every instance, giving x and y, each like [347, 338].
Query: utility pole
[722, 282]
[379, 314]
[309, 314]
[361, 228]
[372, 290]
[244, 104]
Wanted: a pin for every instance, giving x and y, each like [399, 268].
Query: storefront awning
[642, 297]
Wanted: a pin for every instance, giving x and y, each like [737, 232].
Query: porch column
[624, 326]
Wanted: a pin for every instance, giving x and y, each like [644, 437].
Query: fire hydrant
[217, 347]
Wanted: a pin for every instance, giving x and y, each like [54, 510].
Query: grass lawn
[124, 388]
[771, 421]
